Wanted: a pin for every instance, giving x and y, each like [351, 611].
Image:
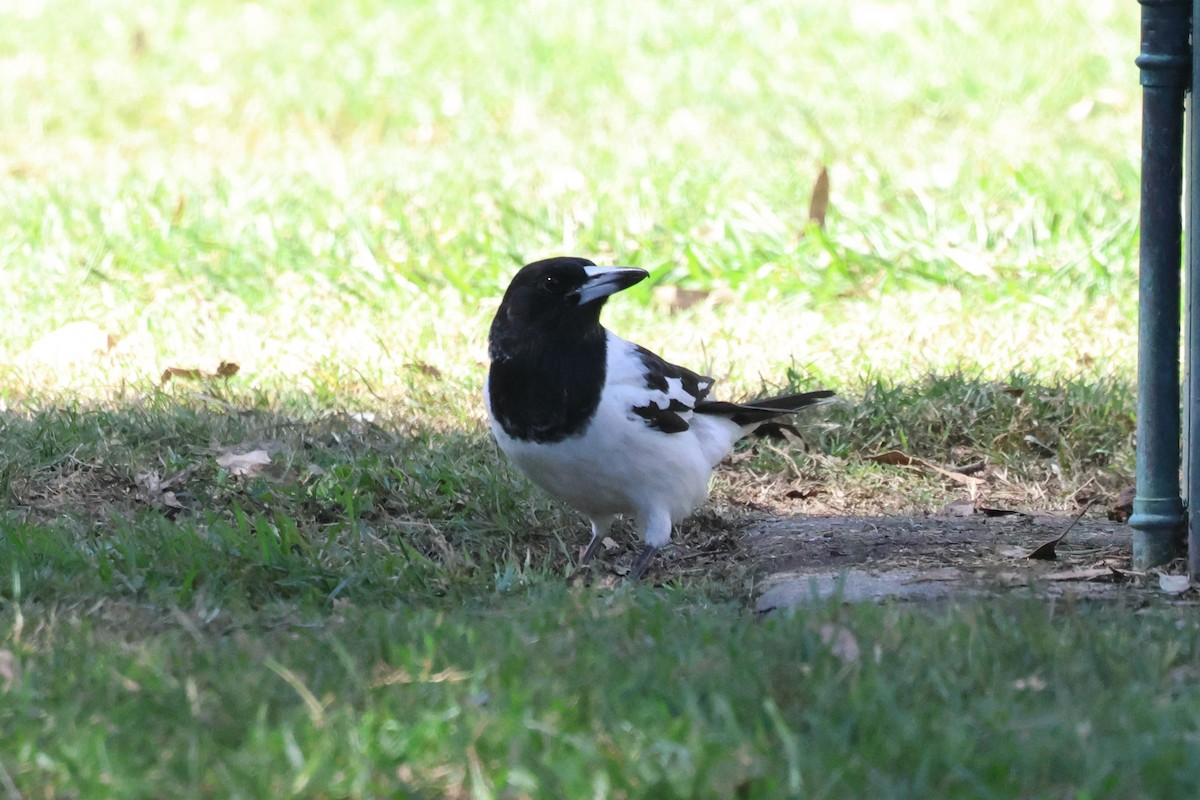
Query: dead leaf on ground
[428, 370]
[818, 202]
[1085, 574]
[962, 507]
[1034, 683]
[155, 489]
[169, 500]
[841, 642]
[9, 670]
[225, 369]
[675, 298]
[988, 511]
[74, 342]
[1174, 584]
[1122, 507]
[1080, 110]
[1046, 551]
[936, 574]
[244, 464]
[899, 459]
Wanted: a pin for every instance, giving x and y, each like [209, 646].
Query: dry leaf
[998, 512]
[1174, 584]
[428, 370]
[1122, 507]
[244, 464]
[962, 507]
[224, 370]
[675, 298]
[1085, 574]
[841, 642]
[78, 341]
[148, 481]
[1046, 550]
[9, 670]
[1079, 111]
[893, 457]
[169, 500]
[818, 202]
[609, 544]
[899, 459]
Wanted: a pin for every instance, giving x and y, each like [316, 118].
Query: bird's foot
[643, 561]
[590, 550]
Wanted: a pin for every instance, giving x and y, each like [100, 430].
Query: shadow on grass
[138, 499]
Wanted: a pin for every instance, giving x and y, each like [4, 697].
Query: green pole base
[1158, 527]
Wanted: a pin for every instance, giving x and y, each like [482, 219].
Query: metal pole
[1192, 305]
[1165, 64]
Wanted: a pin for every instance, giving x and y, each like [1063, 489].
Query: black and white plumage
[602, 424]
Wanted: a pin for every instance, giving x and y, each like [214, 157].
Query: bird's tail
[767, 408]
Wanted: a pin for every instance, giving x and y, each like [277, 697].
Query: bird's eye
[552, 284]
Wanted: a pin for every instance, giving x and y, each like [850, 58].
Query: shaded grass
[132, 502]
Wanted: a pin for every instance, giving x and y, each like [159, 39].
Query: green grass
[333, 197]
[553, 693]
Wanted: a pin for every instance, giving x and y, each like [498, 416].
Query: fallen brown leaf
[1122, 507]
[899, 459]
[962, 507]
[1085, 574]
[428, 370]
[169, 500]
[675, 298]
[841, 642]
[987, 511]
[1046, 550]
[9, 670]
[893, 458]
[74, 342]
[244, 464]
[818, 202]
[224, 370]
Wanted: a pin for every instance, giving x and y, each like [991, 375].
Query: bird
[601, 424]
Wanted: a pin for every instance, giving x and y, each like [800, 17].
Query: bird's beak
[603, 281]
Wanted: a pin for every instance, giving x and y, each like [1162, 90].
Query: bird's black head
[559, 297]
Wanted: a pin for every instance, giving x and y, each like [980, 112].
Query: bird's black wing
[675, 392]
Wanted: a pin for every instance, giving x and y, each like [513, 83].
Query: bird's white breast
[620, 465]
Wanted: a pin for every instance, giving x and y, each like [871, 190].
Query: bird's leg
[600, 528]
[655, 526]
[643, 561]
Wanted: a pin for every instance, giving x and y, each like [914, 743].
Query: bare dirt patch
[799, 559]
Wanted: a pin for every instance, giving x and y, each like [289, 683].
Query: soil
[799, 559]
